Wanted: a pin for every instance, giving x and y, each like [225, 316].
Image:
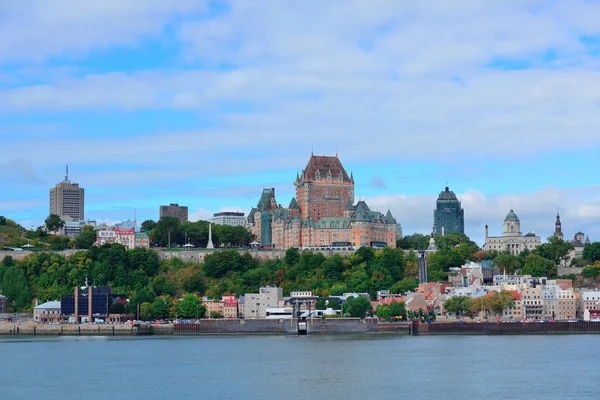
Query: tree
[507, 262]
[147, 225]
[321, 305]
[292, 256]
[398, 310]
[190, 306]
[405, 285]
[415, 241]
[166, 226]
[383, 311]
[85, 239]
[591, 252]
[536, 265]
[58, 242]
[556, 250]
[357, 307]
[54, 223]
[458, 305]
[333, 304]
[2, 220]
[13, 285]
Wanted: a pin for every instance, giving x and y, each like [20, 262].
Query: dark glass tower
[448, 217]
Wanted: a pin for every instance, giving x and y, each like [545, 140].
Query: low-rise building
[230, 306]
[47, 312]
[588, 301]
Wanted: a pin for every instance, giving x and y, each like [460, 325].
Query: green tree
[146, 311]
[458, 305]
[85, 239]
[334, 304]
[167, 227]
[2, 220]
[14, 286]
[190, 307]
[405, 285]
[321, 305]
[161, 307]
[54, 223]
[383, 311]
[292, 256]
[591, 252]
[536, 265]
[415, 241]
[398, 310]
[556, 250]
[147, 225]
[357, 307]
[58, 242]
[507, 262]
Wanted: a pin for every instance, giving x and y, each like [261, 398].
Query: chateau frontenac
[322, 213]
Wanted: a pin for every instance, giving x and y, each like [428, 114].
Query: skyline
[205, 104]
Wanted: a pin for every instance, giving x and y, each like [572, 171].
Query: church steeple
[558, 227]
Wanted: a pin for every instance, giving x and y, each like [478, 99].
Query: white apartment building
[229, 218]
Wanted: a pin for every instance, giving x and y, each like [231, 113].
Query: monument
[210, 244]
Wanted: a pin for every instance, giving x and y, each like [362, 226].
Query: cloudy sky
[206, 102]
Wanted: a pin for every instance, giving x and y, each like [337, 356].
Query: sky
[204, 103]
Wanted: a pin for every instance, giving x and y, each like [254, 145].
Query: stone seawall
[518, 328]
[30, 329]
[287, 327]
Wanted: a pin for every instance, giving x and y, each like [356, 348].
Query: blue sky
[206, 102]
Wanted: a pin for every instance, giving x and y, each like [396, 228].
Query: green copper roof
[511, 216]
[293, 203]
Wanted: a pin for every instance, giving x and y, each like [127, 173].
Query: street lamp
[197, 307]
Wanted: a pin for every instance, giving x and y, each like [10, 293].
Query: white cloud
[41, 29]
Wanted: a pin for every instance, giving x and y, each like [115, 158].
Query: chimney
[486, 231]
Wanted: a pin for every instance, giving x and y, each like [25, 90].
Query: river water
[323, 367]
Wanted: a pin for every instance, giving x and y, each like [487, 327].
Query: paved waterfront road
[326, 367]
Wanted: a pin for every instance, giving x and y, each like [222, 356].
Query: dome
[511, 216]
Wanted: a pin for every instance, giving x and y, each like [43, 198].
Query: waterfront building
[322, 213]
[533, 303]
[67, 199]
[92, 304]
[512, 240]
[174, 210]
[589, 303]
[448, 216]
[230, 306]
[47, 312]
[229, 218]
[256, 304]
[559, 303]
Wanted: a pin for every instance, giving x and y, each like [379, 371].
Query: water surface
[314, 367]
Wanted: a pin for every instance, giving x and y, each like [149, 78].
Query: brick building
[322, 213]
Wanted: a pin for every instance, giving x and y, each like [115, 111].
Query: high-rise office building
[448, 217]
[175, 210]
[67, 199]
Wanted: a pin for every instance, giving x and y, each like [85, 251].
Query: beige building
[67, 199]
[588, 301]
[47, 312]
[174, 210]
[559, 304]
[512, 240]
[533, 303]
[256, 304]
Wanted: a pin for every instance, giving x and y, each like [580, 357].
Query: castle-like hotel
[322, 213]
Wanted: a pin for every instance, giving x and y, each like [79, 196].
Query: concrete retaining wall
[532, 328]
[10, 329]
